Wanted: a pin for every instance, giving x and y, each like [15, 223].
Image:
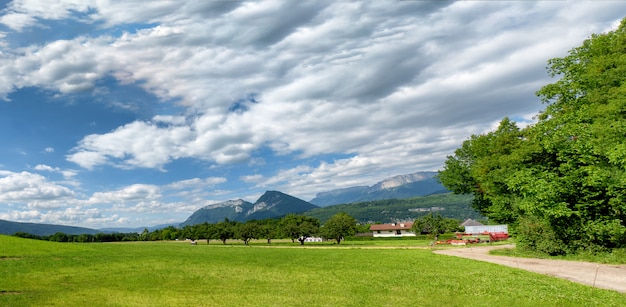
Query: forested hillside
[389, 210]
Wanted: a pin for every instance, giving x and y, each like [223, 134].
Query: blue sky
[127, 114]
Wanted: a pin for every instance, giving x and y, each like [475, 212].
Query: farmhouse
[402, 229]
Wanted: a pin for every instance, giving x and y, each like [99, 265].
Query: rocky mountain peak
[399, 180]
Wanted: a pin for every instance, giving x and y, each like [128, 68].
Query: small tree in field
[299, 227]
[339, 226]
[248, 231]
[434, 224]
[269, 230]
[224, 230]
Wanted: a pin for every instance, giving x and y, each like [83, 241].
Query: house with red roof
[400, 229]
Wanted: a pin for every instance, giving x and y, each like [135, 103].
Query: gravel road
[605, 276]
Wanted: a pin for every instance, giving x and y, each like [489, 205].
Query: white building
[402, 229]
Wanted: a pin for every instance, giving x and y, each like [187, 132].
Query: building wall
[393, 234]
[486, 228]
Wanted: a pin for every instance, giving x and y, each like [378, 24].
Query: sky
[137, 113]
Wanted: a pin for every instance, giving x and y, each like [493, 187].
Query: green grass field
[39, 273]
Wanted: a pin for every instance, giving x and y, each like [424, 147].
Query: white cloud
[32, 189]
[17, 21]
[43, 167]
[132, 193]
[138, 144]
[196, 183]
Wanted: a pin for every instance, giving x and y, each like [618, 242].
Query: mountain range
[269, 205]
[397, 187]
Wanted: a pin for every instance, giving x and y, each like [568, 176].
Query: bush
[537, 235]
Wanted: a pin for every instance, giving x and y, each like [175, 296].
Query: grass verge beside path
[615, 257]
[39, 273]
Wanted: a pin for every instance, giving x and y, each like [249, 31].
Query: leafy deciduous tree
[299, 227]
[247, 231]
[434, 224]
[339, 226]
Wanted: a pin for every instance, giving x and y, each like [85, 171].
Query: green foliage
[536, 235]
[435, 225]
[299, 227]
[390, 210]
[481, 167]
[247, 231]
[339, 226]
[561, 182]
[225, 230]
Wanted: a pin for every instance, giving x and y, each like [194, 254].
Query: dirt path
[612, 277]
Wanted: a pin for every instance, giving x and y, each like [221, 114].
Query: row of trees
[292, 226]
[560, 183]
[83, 238]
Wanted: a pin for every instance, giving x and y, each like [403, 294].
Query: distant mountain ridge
[10, 228]
[401, 186]
[269, 205]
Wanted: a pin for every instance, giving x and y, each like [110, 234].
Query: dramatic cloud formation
[130, 111]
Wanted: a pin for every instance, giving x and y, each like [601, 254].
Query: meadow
[41, 273]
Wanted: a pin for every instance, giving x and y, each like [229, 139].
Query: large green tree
[225, 230]
[339, 226]
[248, 231]
[481, 167]
[562, 181]
[299, 227]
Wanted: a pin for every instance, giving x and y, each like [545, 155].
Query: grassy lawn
[39, 273]
[617, 256]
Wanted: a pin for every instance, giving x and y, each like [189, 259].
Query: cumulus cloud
[135, 192]
[67, 174]
[138, 144]
[196, 183]
[33, 189]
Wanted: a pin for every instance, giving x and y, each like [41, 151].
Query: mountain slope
[10, 228]
[269, 205]
[401, 186]
[231, 209]
[274, 204]
[393, 210]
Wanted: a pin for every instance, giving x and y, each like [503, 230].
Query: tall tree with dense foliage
[339, 226]
[225, 230]
[299, 226]
[481, 167]
[248, 231]
[562, 181]
[269, 229]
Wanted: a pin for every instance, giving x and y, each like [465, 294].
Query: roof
[392, 226]
[470, 222]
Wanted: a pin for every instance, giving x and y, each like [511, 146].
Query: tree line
[559, 183]
[292, 226]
